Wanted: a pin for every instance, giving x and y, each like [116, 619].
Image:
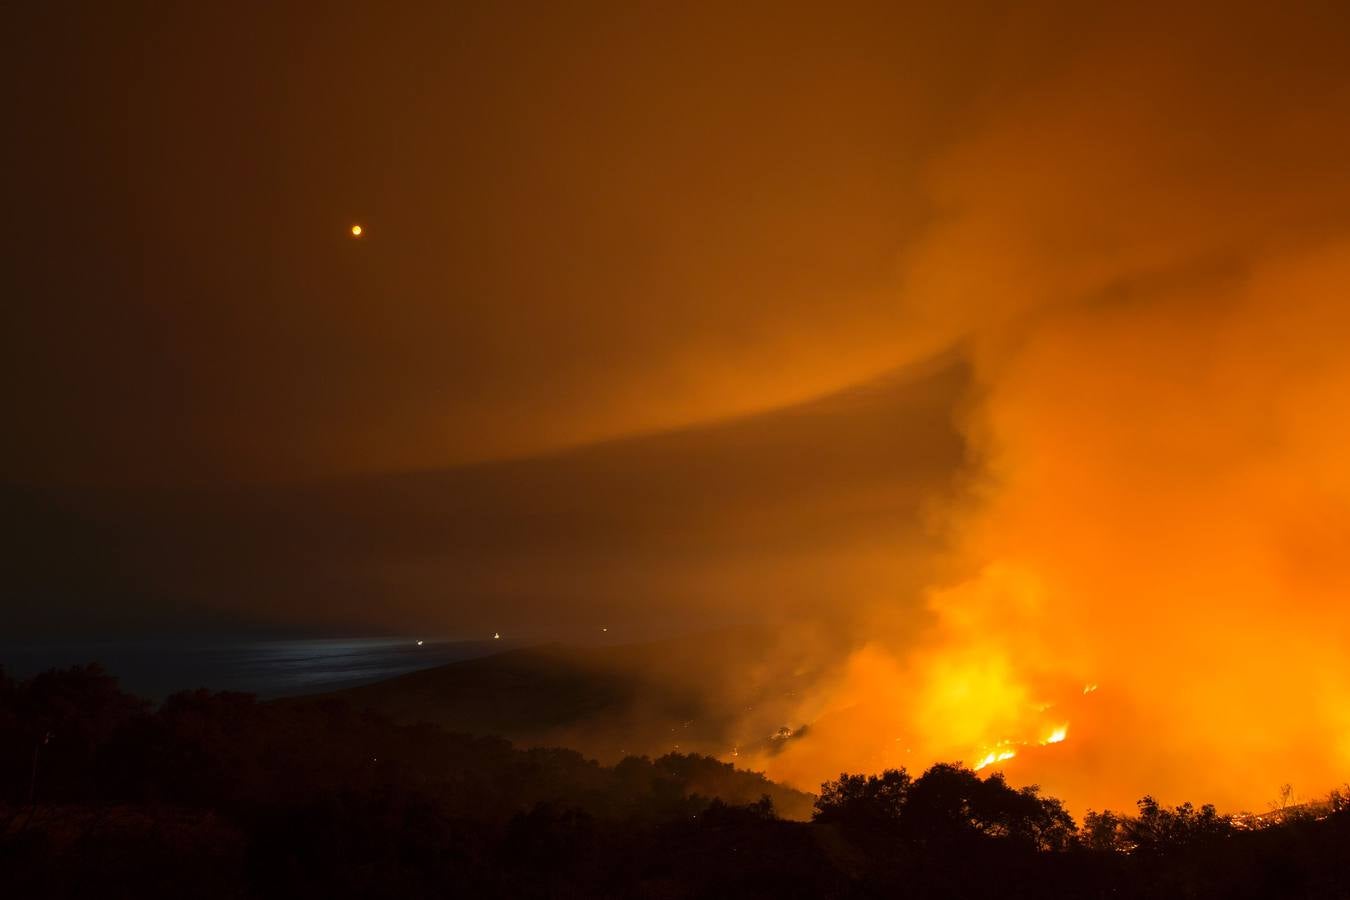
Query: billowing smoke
[629, 348]
[1147, 257]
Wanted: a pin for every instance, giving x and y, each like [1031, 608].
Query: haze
[993, 357]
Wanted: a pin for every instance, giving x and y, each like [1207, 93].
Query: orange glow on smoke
[1166, 513]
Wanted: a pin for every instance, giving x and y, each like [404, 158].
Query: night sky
[996, 351]
[677, 232]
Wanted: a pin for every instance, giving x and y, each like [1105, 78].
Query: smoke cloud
[1147, 259]
[619, 348]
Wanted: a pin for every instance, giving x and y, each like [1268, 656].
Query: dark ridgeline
[219, 795]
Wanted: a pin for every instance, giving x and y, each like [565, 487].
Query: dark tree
[864, 799]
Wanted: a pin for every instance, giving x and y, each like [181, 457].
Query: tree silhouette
[217, 795]
[864, 800]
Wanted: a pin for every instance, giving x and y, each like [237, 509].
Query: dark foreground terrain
[218, 795]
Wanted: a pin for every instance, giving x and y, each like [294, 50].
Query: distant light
[419, 643]
[496, 635]
[604, 629]
[356, 230]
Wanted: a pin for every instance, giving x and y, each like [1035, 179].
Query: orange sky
[1007, 336]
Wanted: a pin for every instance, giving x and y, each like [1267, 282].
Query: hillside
[609, 702]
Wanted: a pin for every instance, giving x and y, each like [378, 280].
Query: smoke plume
[1147, 260]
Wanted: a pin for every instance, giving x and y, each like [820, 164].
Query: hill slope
[610, 702]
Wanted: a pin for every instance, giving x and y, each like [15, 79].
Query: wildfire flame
[995, 756]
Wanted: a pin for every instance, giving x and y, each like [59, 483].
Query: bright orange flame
[994, 756]
[1057, 735]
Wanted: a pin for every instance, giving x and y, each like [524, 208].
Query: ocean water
[156, 667]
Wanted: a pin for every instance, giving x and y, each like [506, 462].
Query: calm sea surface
[155, 668]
